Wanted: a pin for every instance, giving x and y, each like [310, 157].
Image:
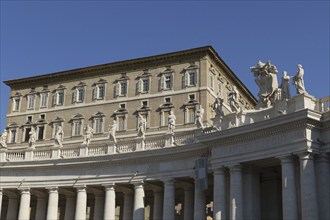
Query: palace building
[175, 136]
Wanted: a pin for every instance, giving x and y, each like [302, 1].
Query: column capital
[169, 181]
[109, 186]
[52, 189]
[235, 168]
[322, 157]
[24, 190]
[81, 188]
[286, 158]
[306, 155]
[138, 184]
[219, 170]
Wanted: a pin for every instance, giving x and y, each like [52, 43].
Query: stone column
[52, 203]
[128, 205]
[158, 205]
[12, 206]
[41, 209]
[236, 193]
[219, 201]
[323, 189]
[24, 207]
[70, 207]
[199, 203]
[98, 206]
[289, 192]
[138, 209]
[81, 203]
[110, 202]
[309, 208]
[169, 199]
[188, 207]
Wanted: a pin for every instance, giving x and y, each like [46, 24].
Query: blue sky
[39, 37]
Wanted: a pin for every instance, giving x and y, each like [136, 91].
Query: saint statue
[171, 122]
[59, 136]
[88, 135]
[199, 117]
[33, 137]
[142, 126]
[217, 106]
[232, 97]
[3, 139]
[112, 131]
[265, 75]
[285, 86]
[298, 81]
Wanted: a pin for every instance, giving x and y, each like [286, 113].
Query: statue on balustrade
[285, 86]
[199, 117]
[3, 139]
[265, 75]
[232, 98]
[298, 81]
[171, 122]
[33, 137]
[217, 107]
[142, 126]
[88, 135]
[112, 131]
[59, 135]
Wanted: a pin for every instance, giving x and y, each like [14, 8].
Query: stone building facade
[59, 159]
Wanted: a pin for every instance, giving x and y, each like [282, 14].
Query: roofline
[155, 59]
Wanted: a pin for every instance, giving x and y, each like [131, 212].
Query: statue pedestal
[140, 143]
[56, 152]
[29, 153]
[3, 154]
[112, 148]
[300, 102]
[169, 139]
[83, 150]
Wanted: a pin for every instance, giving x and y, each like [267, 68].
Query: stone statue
[112, 131]
[142, 126]
[59, 136]
[265, 75]
[88, 135]
[285, 86]
[232, 98]
[33, 137]
[199, 117]
[217, 107]
[171, 122]
[3, 139]
[298, 81]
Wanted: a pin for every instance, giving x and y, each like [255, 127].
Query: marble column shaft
[289, 192]
[323, 189]
[128, 205]
[158, 205]
[199, 203]
[0, 201]
[70, 207]
[309, 208]
[81, 203]
[236, 193]
[219, 210]
[169, 200]
[188, 203]
[110, 202]
[52, 204]
[24, 208]
[138, 207]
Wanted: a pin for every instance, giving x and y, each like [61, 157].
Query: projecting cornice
[128, 65]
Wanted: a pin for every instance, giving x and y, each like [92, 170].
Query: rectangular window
[191, 97]
[190, 78]
[123, 88]
[144, 103]
[121, 123]
[41, 130]
[165, 117]
[27, 135]
[42, 116]
[167, 82]
[219, 87]
[76, 128]
[30, 102]
[212, 81]
[100, 91]
[43, 101]
[190, 115]
[80, 95]
[29, 118]
[167, 99]
[98, 125]
[145, 85]
[16, 104]
[60, 98]
[12, 136]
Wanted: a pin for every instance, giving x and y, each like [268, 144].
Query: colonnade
[300, 196]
